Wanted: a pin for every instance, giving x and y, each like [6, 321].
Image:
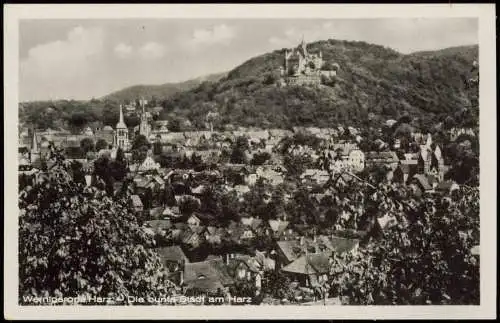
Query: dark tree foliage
[101, 144]
[118, 167]
[87, 144]
[175, 124]
[77, 241]
[140, 141]
[260, 158]
[238, 152]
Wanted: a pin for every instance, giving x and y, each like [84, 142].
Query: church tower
[121, 135]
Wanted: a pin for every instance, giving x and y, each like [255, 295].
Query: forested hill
[373, 81]
[158, 92]
[373, 84]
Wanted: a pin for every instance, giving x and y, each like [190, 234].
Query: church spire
[121, 122]
[34, 144]
[303, 46]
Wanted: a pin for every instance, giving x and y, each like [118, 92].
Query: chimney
[227, 259]
[181, 276]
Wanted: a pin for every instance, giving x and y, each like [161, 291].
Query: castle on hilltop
[303, 68]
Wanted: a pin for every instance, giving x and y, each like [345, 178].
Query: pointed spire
[121, 114]
[121, 123]
[34, 144]
[303, 46]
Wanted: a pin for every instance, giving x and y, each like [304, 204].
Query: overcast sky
[81, 59]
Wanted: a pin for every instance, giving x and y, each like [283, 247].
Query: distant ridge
[160, 92]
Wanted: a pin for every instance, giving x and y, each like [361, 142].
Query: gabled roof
[188, 236]
[388, 156]
[386, 221]
[446, 185]
[172, 253]
[172, 212]
[198, 190]
[251, 263]
[255, 224]
[156, 212]
[136, 201]
[159, 180]
[198, 229]
[157, 225]
[207, 275]
[292, 249]
[423, 181]
[278, 226]
[319, 262]
[342, 245]
[287, 247]
[194, 217]
[211, 230]
[310, 264]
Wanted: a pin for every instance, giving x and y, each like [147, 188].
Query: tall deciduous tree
[101, 144]
[424, 259]
[76, 241]
[87, 144]
[119, 166]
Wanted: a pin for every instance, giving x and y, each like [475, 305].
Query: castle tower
[121, 136]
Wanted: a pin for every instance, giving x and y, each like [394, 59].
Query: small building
[193, 220]
[136, 203]
[422, 182]
[171, 212]
[148, 164]
[310, 270]
[387, 158]
[245, 268]
[174, 260]
[278, 227]
[160, 226]
[405, 170]
[447, 187]
[208, 277]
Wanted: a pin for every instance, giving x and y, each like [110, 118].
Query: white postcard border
[486, 15]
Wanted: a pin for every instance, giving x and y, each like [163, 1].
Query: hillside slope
[373, 81]
[160, 92]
